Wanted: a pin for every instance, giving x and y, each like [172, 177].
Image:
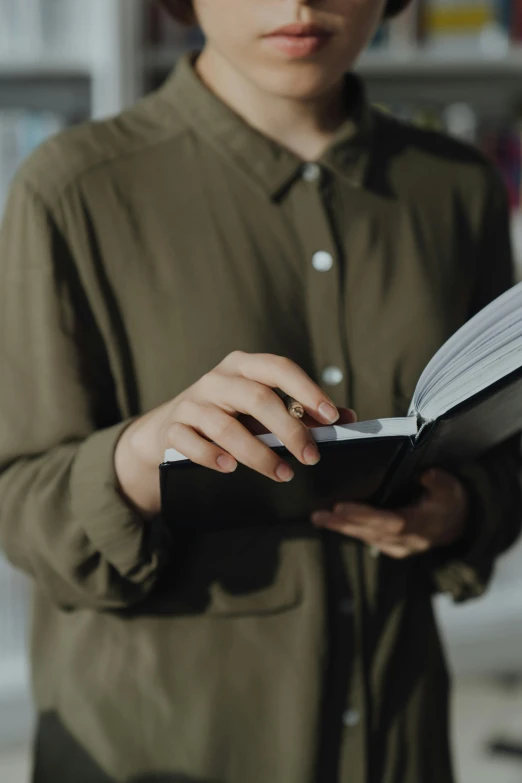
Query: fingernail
[328, 412]
[321, 517]
[311, 454]
[342, 508]
[284, 472]
[226, 463]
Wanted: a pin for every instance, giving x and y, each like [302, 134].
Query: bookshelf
[418, 62]
[43, 69]
[105, 63]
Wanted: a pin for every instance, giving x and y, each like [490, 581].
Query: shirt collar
[271, 165]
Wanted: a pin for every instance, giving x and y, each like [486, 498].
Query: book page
[486, 349]
[376, 428]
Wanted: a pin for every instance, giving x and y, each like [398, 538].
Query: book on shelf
[467, 400]
[457, 24]
[455, 27]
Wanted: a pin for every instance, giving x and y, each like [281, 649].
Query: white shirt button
[332, 376]
[311, 172]
[351, 718]
[346, 606]
[322, 261]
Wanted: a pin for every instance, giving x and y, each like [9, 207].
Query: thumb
[346, 416]
[435, 480]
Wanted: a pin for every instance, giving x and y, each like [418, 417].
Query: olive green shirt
[135, 254]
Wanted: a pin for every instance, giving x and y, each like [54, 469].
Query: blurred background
[451, 64]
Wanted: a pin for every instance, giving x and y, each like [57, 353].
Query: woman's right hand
[203, 423]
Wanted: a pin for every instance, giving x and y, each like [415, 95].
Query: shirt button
[332, 376]
[346, 606]
[322, 261]
[351, 718]
[311, 172]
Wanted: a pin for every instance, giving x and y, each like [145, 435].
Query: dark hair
[394, 7]
[183, 11]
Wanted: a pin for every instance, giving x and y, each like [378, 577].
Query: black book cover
[465, 432]
[197, 498]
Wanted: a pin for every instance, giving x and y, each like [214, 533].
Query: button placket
[332, 376]
[351, 718]
[347, 606]
[322, 261]
[354, 743]
[323, 294]
[311, 172]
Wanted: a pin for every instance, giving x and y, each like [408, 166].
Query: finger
[415, 544]
[280, 372]
[198, 449]
[439, 482]
[253, 425]
[234, 439]
[397, 551]
[369, 516]
[365, 534]
[346, 416]
[266, 407]
[369, 533]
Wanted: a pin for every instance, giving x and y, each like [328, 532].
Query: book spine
[401, 486]
[458, 23]
[503, 13]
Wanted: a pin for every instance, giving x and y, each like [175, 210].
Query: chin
[299, 81]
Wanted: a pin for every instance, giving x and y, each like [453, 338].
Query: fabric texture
[135, 254]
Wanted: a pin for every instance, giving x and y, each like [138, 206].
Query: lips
[299, 30]
[299, 40]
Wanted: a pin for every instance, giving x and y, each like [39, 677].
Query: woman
[253, 224]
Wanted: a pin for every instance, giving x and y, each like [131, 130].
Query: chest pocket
[232, 573]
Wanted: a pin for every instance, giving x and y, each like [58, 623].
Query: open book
[467, 400]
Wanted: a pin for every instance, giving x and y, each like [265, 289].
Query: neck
[305, 126]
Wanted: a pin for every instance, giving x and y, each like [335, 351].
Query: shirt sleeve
[62, 518]
[493, 482]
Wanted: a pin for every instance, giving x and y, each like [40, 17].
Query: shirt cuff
[136, 548]
[463, 569]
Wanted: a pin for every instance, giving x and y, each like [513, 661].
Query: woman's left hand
[437, 519]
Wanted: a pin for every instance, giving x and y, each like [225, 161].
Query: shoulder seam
[60, 191]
